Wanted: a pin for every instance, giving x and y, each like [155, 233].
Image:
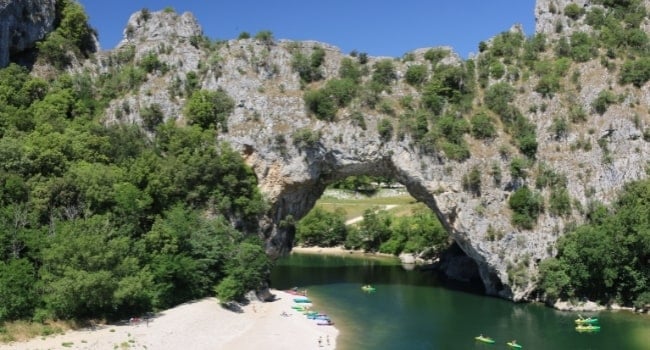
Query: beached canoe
[514, 345]
[585, 321]
[587, 328]
[324, 322]
[483, 339]
[301, 300]
[318, 317]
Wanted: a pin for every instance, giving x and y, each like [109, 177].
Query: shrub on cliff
[526, 206]
[209, 109]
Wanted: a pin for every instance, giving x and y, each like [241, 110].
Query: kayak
[587, 328]
[514, 345]
[368, 289]
[484, 339]
[588, 320]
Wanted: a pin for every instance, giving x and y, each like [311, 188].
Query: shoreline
[560, 305]
[202, 324]
[339, 250]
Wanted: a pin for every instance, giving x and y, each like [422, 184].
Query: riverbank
[203, 324]
[339, 250]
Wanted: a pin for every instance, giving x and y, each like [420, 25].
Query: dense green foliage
[526, 206]
[309, 68]
[73, 35]
[101, 220]
[321, 228]
[379, 231]
[209, 109]
[609, 258]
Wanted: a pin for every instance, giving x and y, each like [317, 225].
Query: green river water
[413, 310]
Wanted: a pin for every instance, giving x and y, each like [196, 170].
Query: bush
[209, 109]
[350, 70]
[265, 36]
[472, 181]
[560, 202]
[482, 126]
[150, 63]
[526, 206]
[457, 151]
[416, 75]
[385, 129]
[342, 91]
[151, 116]
[636, 72]
[384, 73]
[559, 128]
[642, 301]
[573, 11]
[498, 97]
[518, 168]
[602, 102]
[321, 104]
[582, 47]
[305, 137]
[497, 70]
[309, 67]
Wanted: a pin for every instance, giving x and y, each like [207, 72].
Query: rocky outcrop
[270, 109]
[551, 17]
[22, 24]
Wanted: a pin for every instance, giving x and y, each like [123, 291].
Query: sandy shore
[203, 324]
[337, 251]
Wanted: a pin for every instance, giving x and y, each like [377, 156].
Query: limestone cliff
[597, 153]
[22, 24]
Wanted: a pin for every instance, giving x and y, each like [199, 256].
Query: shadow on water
[314, 270]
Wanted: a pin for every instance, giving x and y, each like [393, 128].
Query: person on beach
[328, 340]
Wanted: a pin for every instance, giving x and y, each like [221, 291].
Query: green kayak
[484, 339]
[585, 321]
[587, 328]
[514, 345]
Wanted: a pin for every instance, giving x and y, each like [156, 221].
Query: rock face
[551, 19]
[22, 24]
[270, 109]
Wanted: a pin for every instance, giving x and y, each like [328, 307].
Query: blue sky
[379, 28]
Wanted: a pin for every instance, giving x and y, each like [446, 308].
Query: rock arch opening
[297, 198]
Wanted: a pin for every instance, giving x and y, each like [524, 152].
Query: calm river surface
[412, 310]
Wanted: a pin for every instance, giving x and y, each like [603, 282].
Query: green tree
[526, 206]
[209, 109]
[416, 74]
[384, 73]
[482, 126]
[321, 228]
[17, 289]
[350, 70]
[152, 116]
[636, 72]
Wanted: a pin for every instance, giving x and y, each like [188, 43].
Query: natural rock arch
[294, 182]
[270, 115]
